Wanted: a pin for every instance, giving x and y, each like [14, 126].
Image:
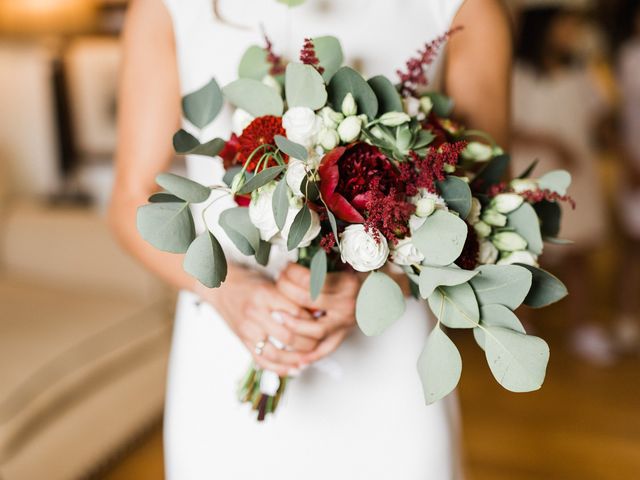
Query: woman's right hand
[256, 311]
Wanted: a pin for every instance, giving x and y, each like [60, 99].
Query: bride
[355, 409]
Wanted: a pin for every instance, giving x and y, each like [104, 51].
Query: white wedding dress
[359, 414]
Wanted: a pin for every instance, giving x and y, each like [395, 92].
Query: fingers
[326, 347]
[308, 328]
[277, 301]
[270, 357]
[296, 292]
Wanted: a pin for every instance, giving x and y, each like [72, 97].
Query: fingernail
[277, 317]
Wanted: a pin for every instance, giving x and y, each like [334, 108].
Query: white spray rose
[302, 126]
[361, 250]
[523, 256]
[477, 151]
[296, 172]
[507, 202]
[329, 138]
[488, 253]
[520, 185]
[509, 241]
[405, 253]
[474, 213]
[261, 211]
[314, 228]
[349, 129]
[349, 106]
[482, 229]
[240, 120]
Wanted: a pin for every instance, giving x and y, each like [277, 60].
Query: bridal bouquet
[371, 176]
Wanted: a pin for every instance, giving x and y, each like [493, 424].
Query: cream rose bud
[312, 232]
[349, 129]
[494, 218]
[328, 138]
[411, 106]
[296, 172]
[478, 151]
[523, 256]
[520, 185]
[488, 253]
[349, 106]
[270, 81]
[425, 207]
[426, 105]
[482, 229]
[405, 253]
[240, 120]
[361, 250]
[302, 126]
[507, 202]
[261, 211]
[509, 241]
[330, 118]
[474, 212]
[394, 119]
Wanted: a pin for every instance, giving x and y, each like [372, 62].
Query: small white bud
[411, 106]
[270, 81]
[328, 138]
[478, 152]
[520, 185]
[237, 183]
[494, 218]
[426, 105]
[331, 118]
[507, 202]
[425, 207]
[450, 169]
[483, 229]
[349, 106]
[509, 241]
[394, 119]
[349, 129]
[488, 253]
[523, 256]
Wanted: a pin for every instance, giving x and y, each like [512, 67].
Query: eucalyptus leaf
[231, 173]
[456, 194]
[492, 173]
[557, 181]
[432, 277]
[497, 316]
[184, 188]
[506, 285]
[524, 220]
[318, 272]
[388, 97]
[334, 226]
[205, 261]
[254, 64]
[439, 366]
[441, 238]
[379, 304]
[518, 362]
[263, 253]
[262, 178]
[240, 230]
[346, 80]
[304, 87]
[299, 227]
[255, 97]
[164, 197]
[455, 307]
[280, 204]
[329, 53]
[186, 144]
[550, 215]
[294, 150]
[545, 290]
[202, 107]
[167, 226]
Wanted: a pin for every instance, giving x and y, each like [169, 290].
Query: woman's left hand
[336, 303]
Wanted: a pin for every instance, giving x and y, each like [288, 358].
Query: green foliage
[164, 197]
[329, 53]
[202, 106]
[167, 226]
[254, 64]
[550, 215]
[388, 97]
[294, 150]
[439, 366]
[506, 285]
[318, 273]
[255, 97]
[299, 227]
[524, 220]
[261, 178]
[380, 303]
[496, 316]
[492, 173]
[304, 87]
[346, 80]
[280, 203]
[186, 144]
[455, 307]
[456, 194]
[546, 289]
[205, 261]
[183, 188]
[238, 227]
[442, 105]
[441, 238]
[262, 255]
[527, 173]
[432, 277]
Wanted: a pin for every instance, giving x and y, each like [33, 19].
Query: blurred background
[84, 332]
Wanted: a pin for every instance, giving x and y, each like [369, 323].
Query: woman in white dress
[357, 411]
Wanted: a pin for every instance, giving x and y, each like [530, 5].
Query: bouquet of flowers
[371, 176]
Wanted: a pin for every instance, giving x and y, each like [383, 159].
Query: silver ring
[259, 348]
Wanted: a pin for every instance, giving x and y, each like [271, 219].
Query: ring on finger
[259, 348]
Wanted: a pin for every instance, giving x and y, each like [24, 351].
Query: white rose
[477, 151]
[240, 120]
[520, 185]
[523, 256]
[488, 253]
[302, 126]
[314, 228]
[349, 129]
[474, 213]
[361, 250]
[405, 253]
[507, 202]
[411, 106]
[296, 173]
[261, 212]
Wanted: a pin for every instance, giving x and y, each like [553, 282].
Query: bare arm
[478, 68]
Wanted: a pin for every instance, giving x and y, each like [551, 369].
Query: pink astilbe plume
[275, 60]
[308, 55]
[415, 75]
[388, 213]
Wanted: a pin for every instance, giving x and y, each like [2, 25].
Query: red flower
[468, 259]
[260, 131]
[230, 151]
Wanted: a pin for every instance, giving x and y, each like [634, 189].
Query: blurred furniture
[84, 340]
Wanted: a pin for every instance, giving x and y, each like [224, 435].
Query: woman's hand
[335, 308]
[256, 311]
